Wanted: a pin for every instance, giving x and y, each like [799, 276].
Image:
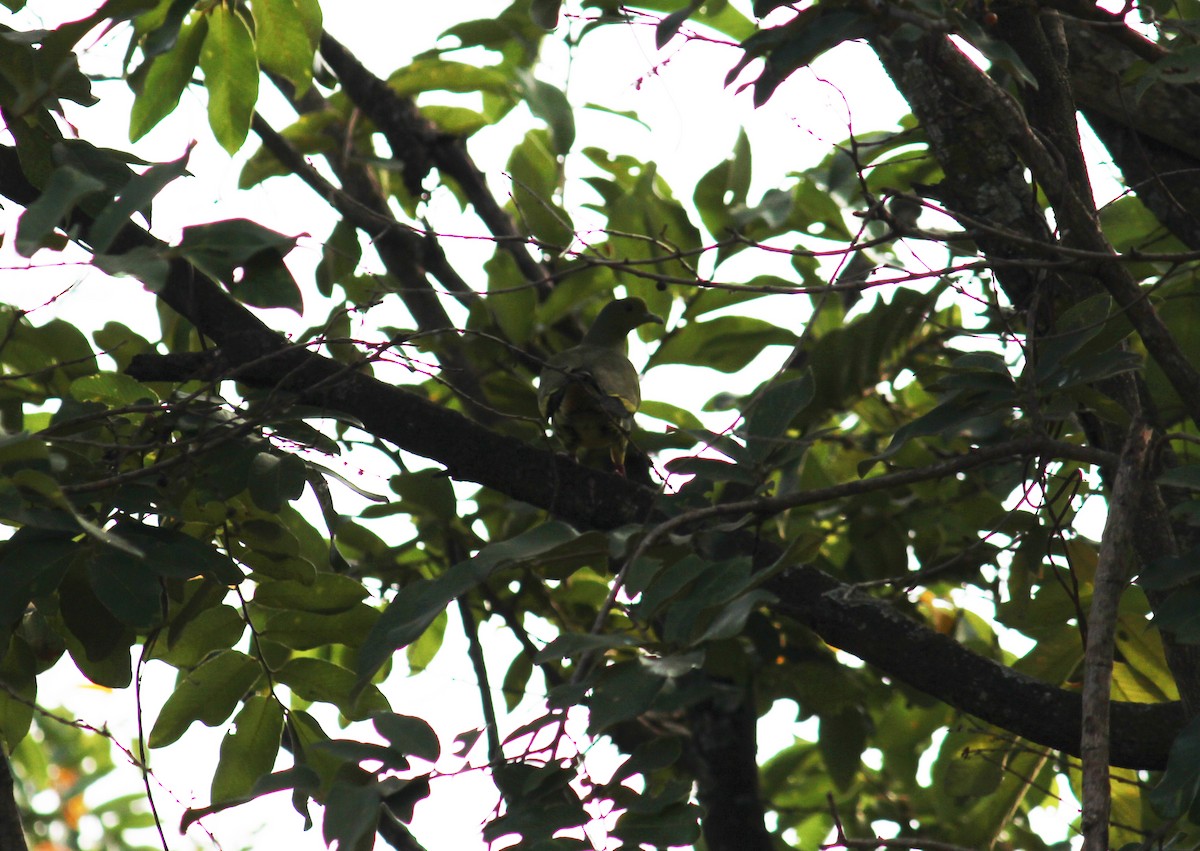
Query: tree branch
[1112, 576]
[12, 835]
[1081, 227]
[855, 622]
[419, 146]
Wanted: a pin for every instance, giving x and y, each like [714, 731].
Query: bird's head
[617, 319]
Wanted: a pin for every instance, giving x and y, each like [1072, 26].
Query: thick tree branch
[857, 623]
[419, 146]
[984, 179]
[909, 652]
[1080, 226]
[723, 735]
[369, 214]
[1153, 136]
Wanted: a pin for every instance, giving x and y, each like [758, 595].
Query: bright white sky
[694, 120]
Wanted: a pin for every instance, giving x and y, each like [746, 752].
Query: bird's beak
[651, 318]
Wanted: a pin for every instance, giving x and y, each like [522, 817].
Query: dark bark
[723, 735]
[905, 650]
[949, 93]
[419, 147]
[1153, 136]
[984, 180]
[12, 835]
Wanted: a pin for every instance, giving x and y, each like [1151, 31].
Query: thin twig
[842, 841]
[143, 757]
[475, 652]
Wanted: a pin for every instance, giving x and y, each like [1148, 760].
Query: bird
[590, 392]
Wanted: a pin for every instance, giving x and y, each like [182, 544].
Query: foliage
[906, 428]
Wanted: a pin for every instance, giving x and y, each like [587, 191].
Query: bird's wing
[608, 373]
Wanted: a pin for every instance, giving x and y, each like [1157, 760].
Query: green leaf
[355, 751]
[426, 493]
[1187, 477]
[621, 692]
[235, 248]
[307, 630]
[516, 679]
[209, 694]
[726, 344]
[313, 19]
[351, 816]
[58, 347]
[340, 255]
[1177, 791]
[679, 417]
[111, 388]
[173, 553]
[577, 644]
[456, 120]
[1129, 225]
[619, 113]
[276, 479]
[511, 302]
[248, 751]
[677, 825]
[730, 619]
[66, 188]
[1170, 571]
[719, 15]
[218, 628]
[798, 43]
[1078, 325]
[545, 13]
[415, 608]
[724, 188]
[842, 739]
[147, 264]
[422, 652]
[299, 777]
[649, 756]
[773, 411]
[18, 673]
[408, 735]
[159, 29]
[431, 74]
[1179, 614]
[98, 642]
[550, 104]
[135, 197]
[282, 41]
[127, 587]
[669, 26]
[32, 563]
[999, 52]
[269, 283]
[535, 172]
[329, 594]
[318, 680]
[230, 68]
[158, 92]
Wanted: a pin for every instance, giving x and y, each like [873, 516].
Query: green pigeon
[590, 392]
